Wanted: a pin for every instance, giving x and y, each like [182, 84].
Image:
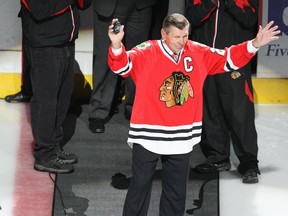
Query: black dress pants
[52, 78]
[26, 87]
[137, 26]
[229, 113]
[175, 172]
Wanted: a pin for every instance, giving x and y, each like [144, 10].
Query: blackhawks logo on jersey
[176, 90]
[235, 74]
[144, 45]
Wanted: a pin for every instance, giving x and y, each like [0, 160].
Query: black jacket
[106, 8]
[229, 23]
[51, 23]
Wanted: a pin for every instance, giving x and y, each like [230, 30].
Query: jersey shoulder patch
[144, 46]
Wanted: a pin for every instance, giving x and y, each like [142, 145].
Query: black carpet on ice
[99, 184]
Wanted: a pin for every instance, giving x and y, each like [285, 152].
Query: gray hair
[175, 19]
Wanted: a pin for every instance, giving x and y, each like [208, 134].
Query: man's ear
[163, 34]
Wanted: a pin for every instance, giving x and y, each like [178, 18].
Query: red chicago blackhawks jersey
[167, 111]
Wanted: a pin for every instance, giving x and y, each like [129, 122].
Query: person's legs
[47, 70]
[139, 192]
[63, 102]
[25, 94]
[175, 173]
[26, 87]
[137, 28]
[236, 97]
[215, 140]
[240, 112]
[104, 80]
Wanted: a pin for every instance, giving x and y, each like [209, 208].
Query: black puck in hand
[116, 27]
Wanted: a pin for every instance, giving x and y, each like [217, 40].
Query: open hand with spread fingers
[266, 35]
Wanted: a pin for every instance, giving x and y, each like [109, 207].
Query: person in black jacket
[50, 29]
[136, 16]
[228, 98]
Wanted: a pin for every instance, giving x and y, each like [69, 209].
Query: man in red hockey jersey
[169, 132]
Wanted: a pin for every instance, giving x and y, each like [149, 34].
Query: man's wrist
[117, 51]
[252, 47]
[255, 44]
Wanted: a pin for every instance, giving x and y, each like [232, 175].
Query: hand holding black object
[115, 35]
[116, 28]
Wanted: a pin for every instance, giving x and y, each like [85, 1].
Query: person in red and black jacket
[50, 29]
[228, 98]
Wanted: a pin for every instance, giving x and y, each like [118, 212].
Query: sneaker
[67, 157]
[250, 177]
[213, 167]
[56, 166]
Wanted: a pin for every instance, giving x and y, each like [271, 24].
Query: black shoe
[213, 167]
[67, 157]
[56, 165]
[96, 125]
[250, 177]
[18, 97]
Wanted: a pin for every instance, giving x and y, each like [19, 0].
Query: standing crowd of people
[200, 63]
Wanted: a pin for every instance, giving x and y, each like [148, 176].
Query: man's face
[175, 38]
